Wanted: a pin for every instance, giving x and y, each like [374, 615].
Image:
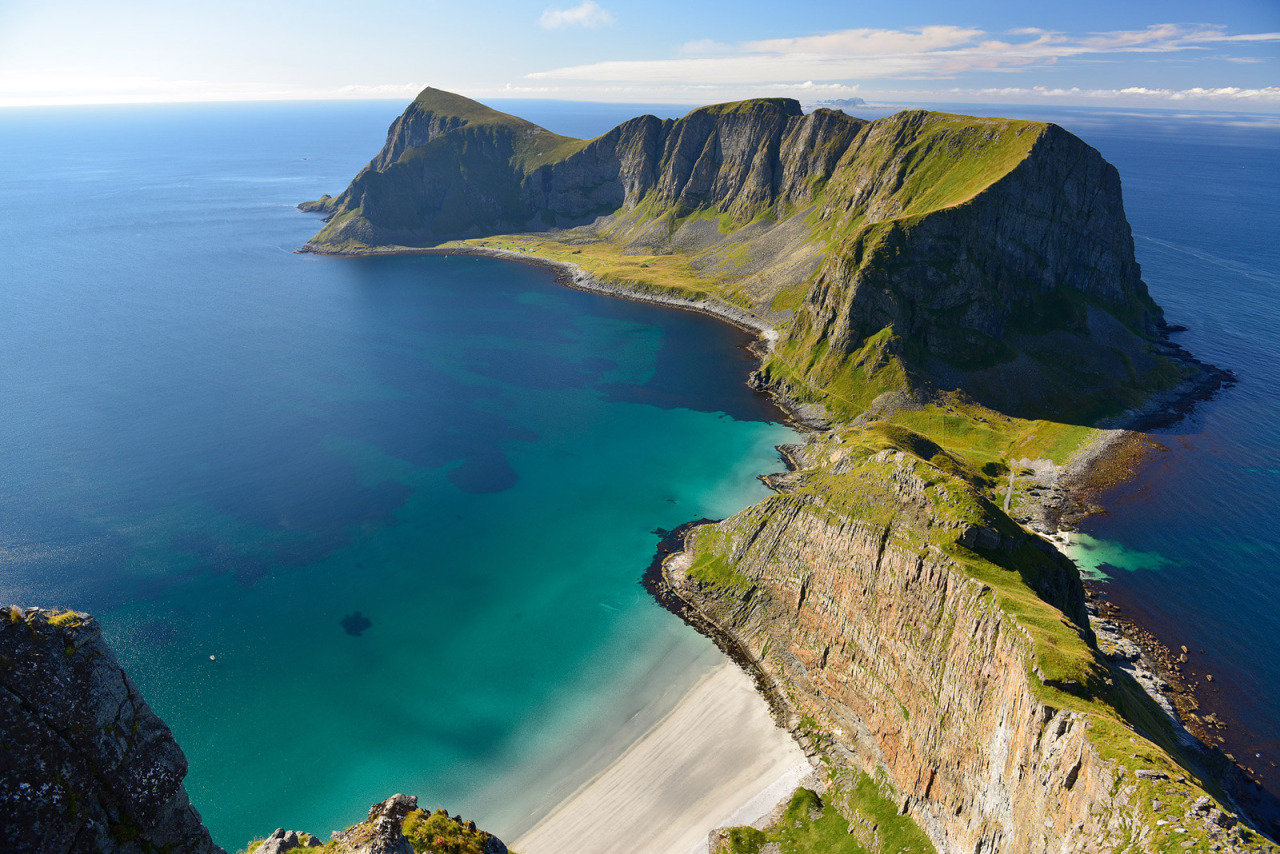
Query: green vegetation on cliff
[924, 252]
[853, 816]
[886, 590]
[395, 826]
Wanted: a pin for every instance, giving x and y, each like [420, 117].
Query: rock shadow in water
[485, 472]
[355, 624]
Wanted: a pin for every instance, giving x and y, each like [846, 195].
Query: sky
[1222, 55]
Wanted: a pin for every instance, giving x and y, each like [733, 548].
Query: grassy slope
[525, 146]
[854, 816]
[534, 146]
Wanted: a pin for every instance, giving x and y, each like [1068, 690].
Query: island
[950, 306]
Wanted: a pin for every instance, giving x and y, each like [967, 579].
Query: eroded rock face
[918, 673]
[993, 252]
[85, 766]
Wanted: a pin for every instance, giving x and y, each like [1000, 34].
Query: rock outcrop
[395, 826]
[85, 765]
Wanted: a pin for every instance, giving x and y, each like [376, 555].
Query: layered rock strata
[913, 634]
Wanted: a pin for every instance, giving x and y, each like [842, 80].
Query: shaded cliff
[86, 766]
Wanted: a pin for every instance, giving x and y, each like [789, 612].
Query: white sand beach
[716, 758]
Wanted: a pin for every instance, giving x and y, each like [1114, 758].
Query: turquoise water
[1100, 560]
[354, 526]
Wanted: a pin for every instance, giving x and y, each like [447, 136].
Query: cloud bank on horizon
[642, 51]
[847, 62]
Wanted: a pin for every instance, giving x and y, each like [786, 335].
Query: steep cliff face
[1029, 277]
[452, 168]
[86, 766]
[944, 651]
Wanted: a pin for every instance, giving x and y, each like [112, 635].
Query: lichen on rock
[86, 765]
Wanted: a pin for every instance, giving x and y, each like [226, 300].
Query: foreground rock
[395, 826]
[86, 765]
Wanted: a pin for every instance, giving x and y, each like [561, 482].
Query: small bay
[354, 526]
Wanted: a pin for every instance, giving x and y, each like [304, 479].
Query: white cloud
[1221, 96]
[866, 54]
[585, 14]
[705, 47]
[869, 42]
[66, 86]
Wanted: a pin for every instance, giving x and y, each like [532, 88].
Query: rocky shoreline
[573, 276]
[1114, 458]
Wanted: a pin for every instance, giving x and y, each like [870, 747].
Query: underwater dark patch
[355, 624]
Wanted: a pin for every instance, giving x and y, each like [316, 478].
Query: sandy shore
[717, 758]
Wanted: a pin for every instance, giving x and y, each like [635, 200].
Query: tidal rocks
[86, 766]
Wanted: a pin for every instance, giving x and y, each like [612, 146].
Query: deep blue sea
[1192, 548]
[404, 503]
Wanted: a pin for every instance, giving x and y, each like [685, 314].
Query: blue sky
[1189, 55]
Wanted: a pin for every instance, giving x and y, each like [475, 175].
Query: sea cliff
[989, 255]
[910, 633]
[87, 767]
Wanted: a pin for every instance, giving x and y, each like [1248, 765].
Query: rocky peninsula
[952, 306]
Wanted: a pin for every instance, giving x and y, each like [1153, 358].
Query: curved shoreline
[1111, 457]
[573, 276]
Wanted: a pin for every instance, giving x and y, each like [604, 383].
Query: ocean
[354, 526]
[359, 526]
